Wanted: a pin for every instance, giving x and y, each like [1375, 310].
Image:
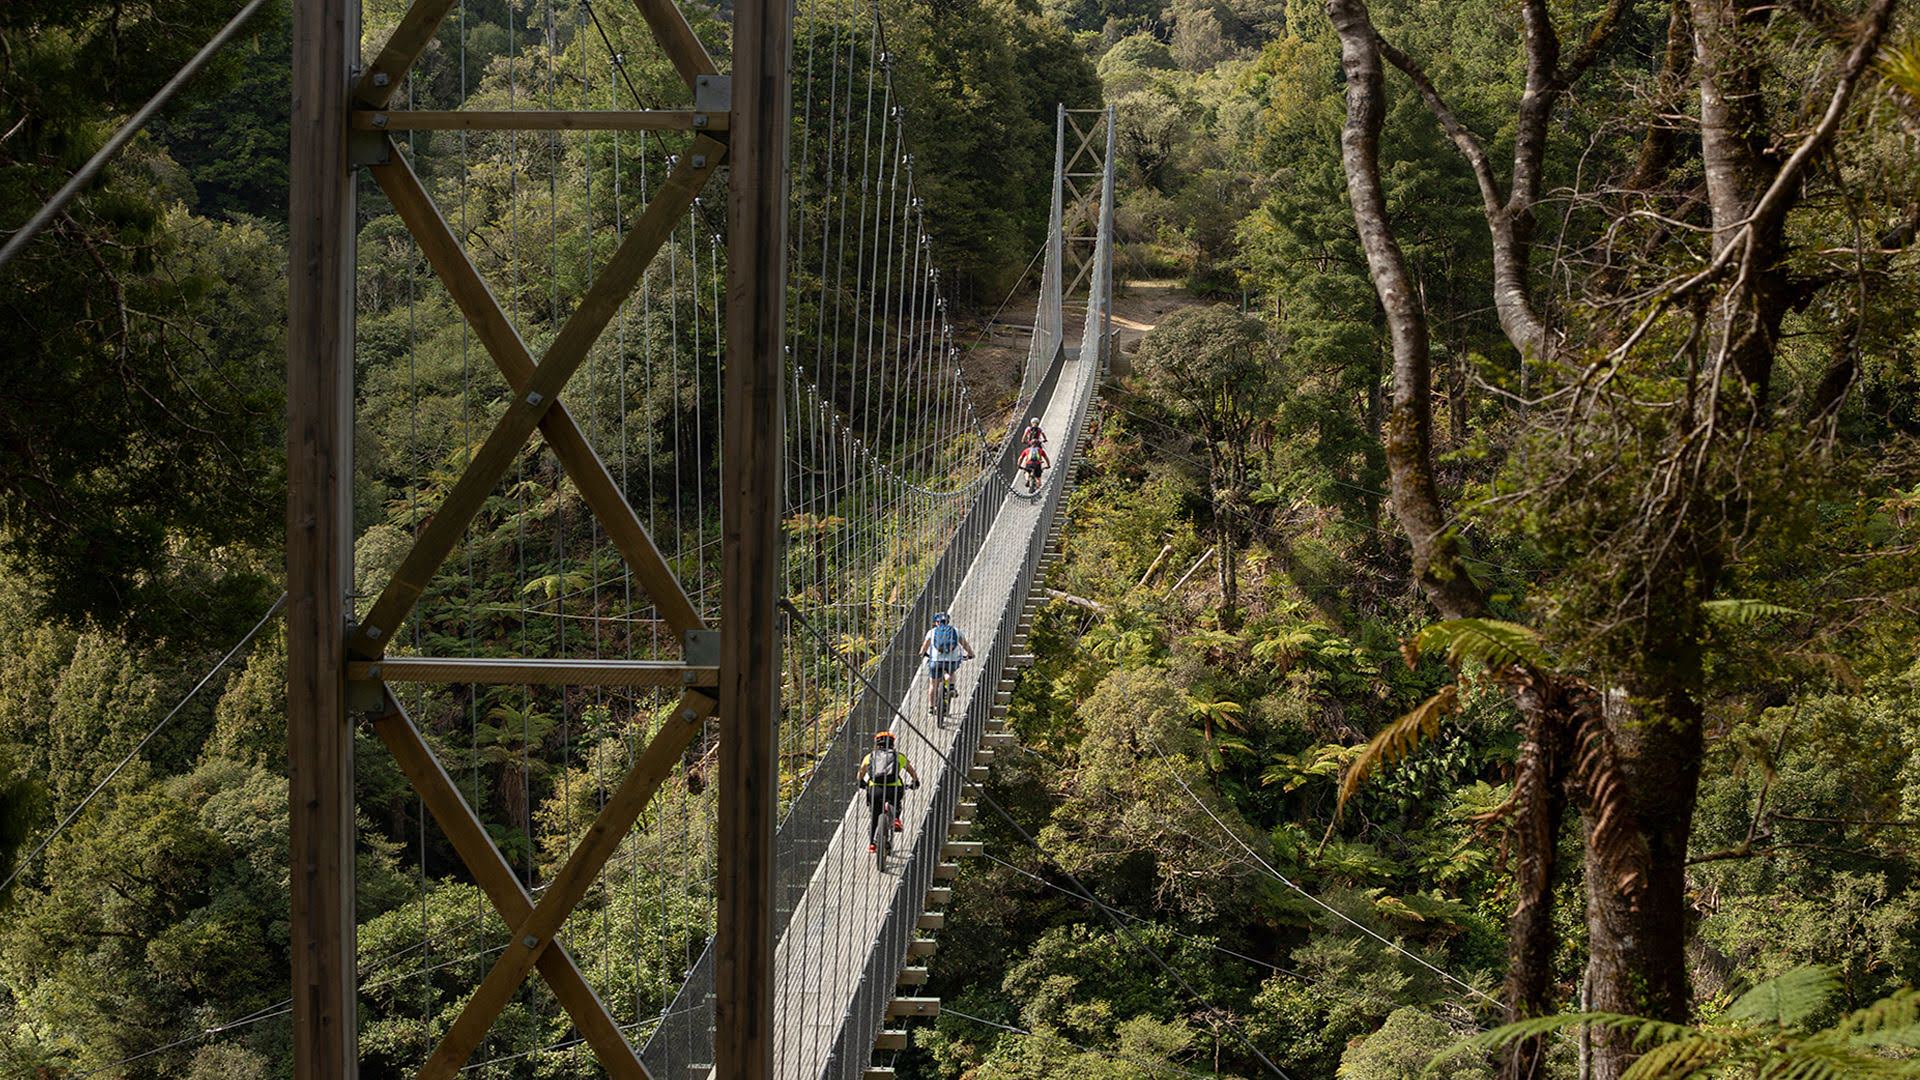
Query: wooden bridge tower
[337, 668]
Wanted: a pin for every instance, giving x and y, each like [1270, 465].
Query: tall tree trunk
[1636, 872]
[1552, 710]
[1408, 431]
[1225, 567]
[1539, 806]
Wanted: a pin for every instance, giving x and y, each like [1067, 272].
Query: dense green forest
[1546, 409]
[1489, 595]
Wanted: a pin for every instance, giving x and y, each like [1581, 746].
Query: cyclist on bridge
[1032, 461]
[943, 647]
[880, 776]
[1033, 436]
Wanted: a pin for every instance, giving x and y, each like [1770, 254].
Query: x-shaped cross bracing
[1094, 149]
[536, 391]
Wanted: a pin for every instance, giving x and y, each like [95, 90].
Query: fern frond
[1787, 999]
[1744, 612]
[1398, 739]
[1490, 642]
[1534, 1027]
[1893, 1020]
[1691, 1056]
[1813, 1060]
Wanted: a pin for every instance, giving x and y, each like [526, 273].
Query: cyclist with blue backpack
[943, 647]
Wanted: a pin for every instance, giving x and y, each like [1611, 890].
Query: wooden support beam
[912, 976]
[503, 888]
[931, 920]
[962, 849]
[320, 210]
[515, 672]
[676, 37]
[921, 948]
[483, 312]
[538, 120]
[913, 1006]
[533, 934]
[753, 438]
[536, 399]
[383, 77]
[890, 1039]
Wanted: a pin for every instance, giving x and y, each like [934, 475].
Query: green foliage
[1398, 739]
[1767, 1031]
[1745, 612]
[1487, 642]
[1401, 1049]
[144, 342]
[1128, 820]
[166, 905]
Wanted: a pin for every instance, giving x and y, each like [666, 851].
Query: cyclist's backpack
[945, 638]
[884, 769]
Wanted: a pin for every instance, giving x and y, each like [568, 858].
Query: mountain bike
[882, 838]
[947, 696]
[943, 701]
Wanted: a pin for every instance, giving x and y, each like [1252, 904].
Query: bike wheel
[940, 698]
[882, 836]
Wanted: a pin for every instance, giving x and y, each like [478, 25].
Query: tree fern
[1481, 641]
[1398, 739]
[1891, 1021]
[1690, 1055]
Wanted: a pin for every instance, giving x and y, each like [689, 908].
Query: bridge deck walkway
[823, 956]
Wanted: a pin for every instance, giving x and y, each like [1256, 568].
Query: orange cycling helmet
[883, 736]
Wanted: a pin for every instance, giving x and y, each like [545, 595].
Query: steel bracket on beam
[713, 94]
[366, 148]
[703, 648]
[366, 695]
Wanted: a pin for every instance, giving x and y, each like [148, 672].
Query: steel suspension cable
[87, 800]
[120, 138]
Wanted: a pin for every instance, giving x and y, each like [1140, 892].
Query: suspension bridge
[596, 477]
[617, 512]
[748, 434]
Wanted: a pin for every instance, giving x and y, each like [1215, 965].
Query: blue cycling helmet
[940, 619]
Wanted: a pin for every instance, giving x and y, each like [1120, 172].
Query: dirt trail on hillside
[1138, 307]
[994, 362]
